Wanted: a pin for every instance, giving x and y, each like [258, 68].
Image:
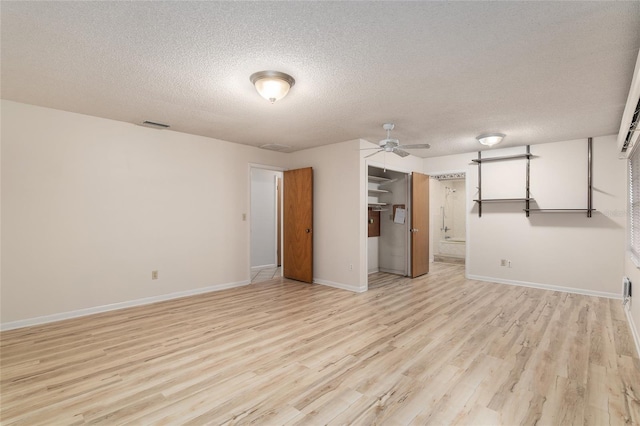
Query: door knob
[308, 231]
[413, 230]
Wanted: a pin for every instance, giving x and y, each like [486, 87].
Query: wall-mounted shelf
[505, 157]
[561, 210]
[527, 199]
[589, 210]
[377, 204]
[502, 200]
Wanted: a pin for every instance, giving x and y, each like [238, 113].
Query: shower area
[448, 229]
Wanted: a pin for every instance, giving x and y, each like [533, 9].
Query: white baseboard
[339, 285]
[634, 330]
[374, 270]
[115, 306]
[271, 265]
[547, 287]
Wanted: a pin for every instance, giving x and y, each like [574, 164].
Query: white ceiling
[444, 72]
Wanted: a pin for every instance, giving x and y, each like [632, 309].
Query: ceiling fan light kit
[272, 85]
[490, 139]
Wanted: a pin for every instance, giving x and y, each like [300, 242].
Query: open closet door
[298, 224]
[419, 224]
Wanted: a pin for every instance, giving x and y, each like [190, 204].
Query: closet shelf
[378, 191]
[377, 204]
[378, 179]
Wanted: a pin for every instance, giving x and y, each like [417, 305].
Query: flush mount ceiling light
[490, 139]
[272, 85]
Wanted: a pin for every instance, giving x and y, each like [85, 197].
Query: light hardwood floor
[435, 350]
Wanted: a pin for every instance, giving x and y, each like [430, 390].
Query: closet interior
[388, 221]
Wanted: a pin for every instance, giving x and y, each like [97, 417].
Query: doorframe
[252, 166]
[467, 191]
[364, 209]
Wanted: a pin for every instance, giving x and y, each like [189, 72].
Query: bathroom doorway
[449, 215]
[265, 222]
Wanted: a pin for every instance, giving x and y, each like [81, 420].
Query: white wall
[336, 213]
[563, 250]
[91, 206]
[263, 217]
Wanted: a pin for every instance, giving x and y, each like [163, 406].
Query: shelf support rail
[479, 183]
[589, 177]
[527, 196]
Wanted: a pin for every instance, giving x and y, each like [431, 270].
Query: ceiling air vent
[155, 125]
[275, 147]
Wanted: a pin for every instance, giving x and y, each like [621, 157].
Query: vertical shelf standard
[589, 177]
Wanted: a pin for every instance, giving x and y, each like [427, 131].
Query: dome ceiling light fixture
[490, 139]
[272, 85]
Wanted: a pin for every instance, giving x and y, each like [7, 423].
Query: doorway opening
[265, 223]
[388, 242]
[448, 230]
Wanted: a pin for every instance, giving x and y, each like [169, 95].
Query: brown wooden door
[419, 224]
[298, 224]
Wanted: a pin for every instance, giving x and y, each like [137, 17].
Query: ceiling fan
[389, 144]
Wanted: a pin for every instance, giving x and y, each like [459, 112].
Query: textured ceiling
[444, 72]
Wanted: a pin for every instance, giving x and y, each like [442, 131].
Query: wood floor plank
[438, 349]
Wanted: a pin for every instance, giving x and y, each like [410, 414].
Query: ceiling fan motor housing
[389, 143]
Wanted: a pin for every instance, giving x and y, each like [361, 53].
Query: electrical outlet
[244, 217]
[503, 262]
[509, 264]
[351, 266]
[154, 275]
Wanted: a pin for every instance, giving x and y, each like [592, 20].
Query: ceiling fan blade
[415, 146]
[400, 152]
[371, 155]
[365, 149]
